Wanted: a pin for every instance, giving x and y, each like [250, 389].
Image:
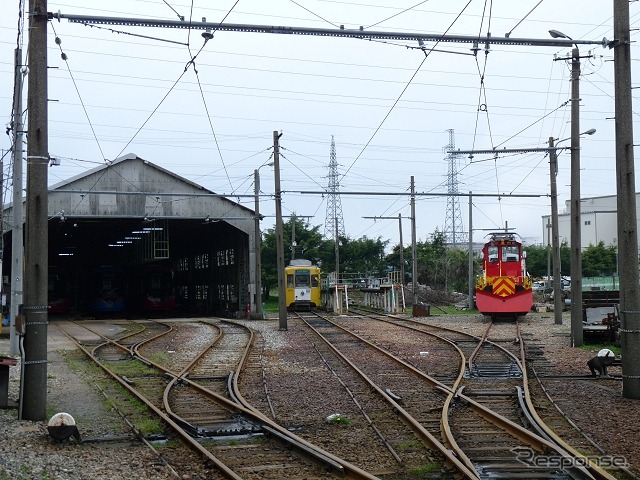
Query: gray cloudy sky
[386, 105]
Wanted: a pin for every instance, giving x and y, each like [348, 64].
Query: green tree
[598, 260]
[309, 245]
[537, 256]
[358, 257]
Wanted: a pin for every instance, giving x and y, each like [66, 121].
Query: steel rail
[179, 377]
[517, 431]
[450, 392]
[276, 429]
[176, 422]
[176, 427]
[596, 470]
[555, 442]
[283, 434]
[479, 346]
[576, 427]
[265, 423]
[464, 467]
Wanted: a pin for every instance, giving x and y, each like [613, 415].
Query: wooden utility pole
[33, 401]
[626, 198]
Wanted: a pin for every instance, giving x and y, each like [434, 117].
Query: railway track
[238, 442]
[488, 417]
[460, 401]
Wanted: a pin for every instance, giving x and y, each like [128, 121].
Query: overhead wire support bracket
[507, 150]
[323, 32]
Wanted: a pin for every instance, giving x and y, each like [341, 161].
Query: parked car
[538, 286]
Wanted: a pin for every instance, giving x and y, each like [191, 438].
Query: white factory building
[599, 218]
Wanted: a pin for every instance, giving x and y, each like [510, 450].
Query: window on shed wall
[183, 265]
[201, 261]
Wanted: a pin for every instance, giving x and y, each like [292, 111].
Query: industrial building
[131, 215]
[598, 216]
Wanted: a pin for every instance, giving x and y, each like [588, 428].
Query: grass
[597, 346]
[119, 397]
[425, 469]
[409, 446]
[271, 304]
[337, 419]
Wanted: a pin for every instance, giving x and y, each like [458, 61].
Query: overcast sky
[387, 105]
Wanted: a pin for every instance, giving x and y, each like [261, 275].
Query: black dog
[600, 362]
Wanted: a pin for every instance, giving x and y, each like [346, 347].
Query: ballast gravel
[27, 451]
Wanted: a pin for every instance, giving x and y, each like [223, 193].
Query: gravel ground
[27, 452]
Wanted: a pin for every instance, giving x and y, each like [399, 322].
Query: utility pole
[626, 198]
[401, 251]
[256, 243]
[293, 237]
[337, 249]
[471, 303]
[576, 227]
[414, 250]
[17, 241]
[282, 300]
[549, 251]
[555, 236]
[33, 401]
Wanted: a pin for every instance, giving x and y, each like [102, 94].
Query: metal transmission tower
[453, 229]
[334, 223]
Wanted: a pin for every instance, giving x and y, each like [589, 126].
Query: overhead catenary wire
[75, 85]
[314, 14]
[426, 55]
[396, 14]
[189, 140]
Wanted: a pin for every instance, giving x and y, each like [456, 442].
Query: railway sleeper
[514, 471]
[490, 393]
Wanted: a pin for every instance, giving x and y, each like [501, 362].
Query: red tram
[504, 289]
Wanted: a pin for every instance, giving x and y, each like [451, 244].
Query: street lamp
[558, 34]
[256, 235]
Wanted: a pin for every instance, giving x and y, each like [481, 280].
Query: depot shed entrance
[131, 238]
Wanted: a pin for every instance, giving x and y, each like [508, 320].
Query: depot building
[131, 238]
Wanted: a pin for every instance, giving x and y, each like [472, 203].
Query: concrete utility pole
[337, 248]
[626, 198]
[414, 249]
[576, 227]
[33, 401]
[472, 289]
[401, 250]
[555, 236]
[17, 240]
[282, 300]
[293, 237]
[257, 242]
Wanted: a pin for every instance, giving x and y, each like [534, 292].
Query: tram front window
[302, 280]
